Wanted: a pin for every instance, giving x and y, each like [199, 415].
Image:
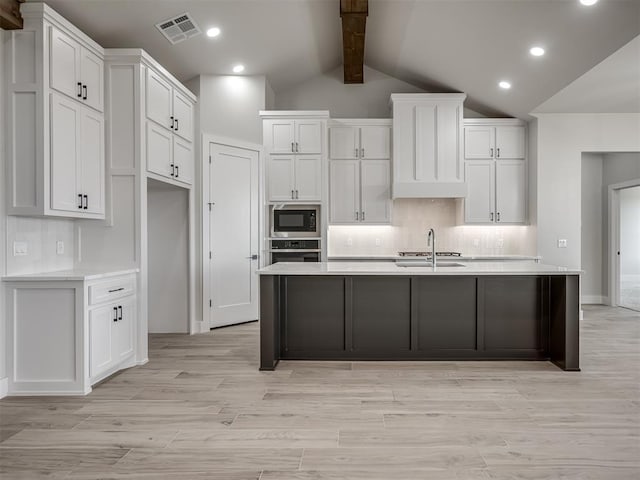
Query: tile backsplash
[412, 218]
[40, 237]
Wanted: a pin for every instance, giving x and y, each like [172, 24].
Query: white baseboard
[4, 387]
[593, 300]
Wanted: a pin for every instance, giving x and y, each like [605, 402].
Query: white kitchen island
[383, 311]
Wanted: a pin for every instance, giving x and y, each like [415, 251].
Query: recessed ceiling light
[213, 32]
[238, 69]
[504, 84]
[536, 51]
[588, 3]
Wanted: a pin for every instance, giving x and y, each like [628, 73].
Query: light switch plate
[500, 242]
[349, 242]
[562, 243]
[20, 249]
[59, 247]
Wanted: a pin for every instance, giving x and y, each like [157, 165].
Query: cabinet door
[159, 150]
[308, 136]
[65, 131]
[183, 160]
[479, 142]
[101, 321]
[510, 142]
[375, 142]
[279, 136]
[92, 161]
[64, 64]
[159, 99]
[281, 178]
[343, 143]
[123, 329]
[183, 114]
[511, 191]
[480, 200]
[375, 188]
[308, 178]
[344, 195]
[92, 79]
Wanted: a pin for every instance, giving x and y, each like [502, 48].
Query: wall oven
[295, 221]
[295, 251]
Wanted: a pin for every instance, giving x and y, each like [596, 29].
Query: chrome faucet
[431, 242]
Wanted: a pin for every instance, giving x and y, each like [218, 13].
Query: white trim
[494, 121]
[4, 387]
[614, 237]
[336, 122]
[593, 300]
[293, 114]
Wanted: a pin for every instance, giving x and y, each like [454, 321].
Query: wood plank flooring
[200, 409]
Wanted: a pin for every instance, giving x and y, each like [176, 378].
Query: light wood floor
[201, 410]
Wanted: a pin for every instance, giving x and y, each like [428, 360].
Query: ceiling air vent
[178, 29]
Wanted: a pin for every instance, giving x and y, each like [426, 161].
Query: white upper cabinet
[496, 171]
[360, 171]
[482, 141]
[75, 70]
[295, 178]
[427, 145]
[169, 133]
[168, 107]
[294, 143]
[55, 120]
[293, 136]
[348, 140]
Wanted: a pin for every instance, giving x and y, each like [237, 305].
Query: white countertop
[469, 258]
[69, 275]
[388, 268]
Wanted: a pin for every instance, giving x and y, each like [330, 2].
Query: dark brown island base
[381, 311]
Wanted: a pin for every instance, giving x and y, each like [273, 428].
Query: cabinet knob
[79, 90]
[292, 147]
[177, 125]
[491, 152]
[292, 195]
[177, 171]
[172, 122]
[86, 202]
[297, 149]
[357, 216]
[79, 200]
[362, 217]
[491, 216]
[85, 92]
[120, 308]
[356, 154]
[498, 217]
[173, 170]
[115, 314]
[497, 153]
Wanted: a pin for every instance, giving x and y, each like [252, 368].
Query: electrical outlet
[20, 249]
[562, 243]
[349, 242]
[378, 242]
[59, 247]
[500, 242]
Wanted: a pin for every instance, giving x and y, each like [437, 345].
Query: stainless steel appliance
[295, 251]
[295, 221]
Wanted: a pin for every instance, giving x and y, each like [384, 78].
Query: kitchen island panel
[381, 315]
[446, 314]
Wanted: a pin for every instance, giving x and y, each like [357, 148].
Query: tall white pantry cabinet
[55, 118]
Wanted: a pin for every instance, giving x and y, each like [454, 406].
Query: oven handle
[293, 250]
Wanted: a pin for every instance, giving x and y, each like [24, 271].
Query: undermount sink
[422, 263]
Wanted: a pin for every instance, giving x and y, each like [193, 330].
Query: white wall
[168, 227]
[562, 138]
[329, 92]
[411, 220]
[229, 105]
[592, 228]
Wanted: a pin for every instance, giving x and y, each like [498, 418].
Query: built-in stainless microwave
[295, 221]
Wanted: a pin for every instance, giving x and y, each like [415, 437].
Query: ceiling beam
[354, 19]
[10, 18]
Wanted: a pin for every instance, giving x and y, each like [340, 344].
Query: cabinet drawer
[108, 290]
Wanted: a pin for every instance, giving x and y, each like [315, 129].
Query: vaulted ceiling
[438, 45]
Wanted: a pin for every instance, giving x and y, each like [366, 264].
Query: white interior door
[629, 248]
[233, 235]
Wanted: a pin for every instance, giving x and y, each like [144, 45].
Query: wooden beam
[10, 18]
[354, 19]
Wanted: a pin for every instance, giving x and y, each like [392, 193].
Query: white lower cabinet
[68, 330]
[360, 191]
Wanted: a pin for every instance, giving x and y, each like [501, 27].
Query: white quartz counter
[388, 268]
[468, 258]
[69, 275]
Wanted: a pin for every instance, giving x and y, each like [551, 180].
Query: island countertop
[389, 268]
